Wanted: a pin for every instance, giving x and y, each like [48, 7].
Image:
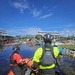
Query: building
[56, 36]
[4, 37]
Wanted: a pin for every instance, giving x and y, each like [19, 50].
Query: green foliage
[68, 46]
[38, 37]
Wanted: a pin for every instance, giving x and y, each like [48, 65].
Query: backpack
[11, 59]
[47, 57]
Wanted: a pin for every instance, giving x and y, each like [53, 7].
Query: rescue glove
[35, 65]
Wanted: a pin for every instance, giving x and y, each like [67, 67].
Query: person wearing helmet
[45, 56]
[16, 63]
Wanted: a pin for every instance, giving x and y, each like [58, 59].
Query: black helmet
[16, 48]
[48, 38]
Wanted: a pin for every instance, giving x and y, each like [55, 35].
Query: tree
[38, 37]
[18, 37]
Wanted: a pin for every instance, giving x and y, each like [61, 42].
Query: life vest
[47, 58]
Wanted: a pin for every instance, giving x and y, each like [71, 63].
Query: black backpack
[11, 59]
[47, 57]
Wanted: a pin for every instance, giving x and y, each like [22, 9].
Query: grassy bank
[67, 46]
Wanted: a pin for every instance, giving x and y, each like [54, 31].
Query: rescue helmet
[16, 48]
[48, 38]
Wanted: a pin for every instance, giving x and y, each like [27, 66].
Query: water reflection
[1, 47]
[67, 65]
[25, 51]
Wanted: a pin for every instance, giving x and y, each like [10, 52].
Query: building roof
[3, 33]
[44, 32]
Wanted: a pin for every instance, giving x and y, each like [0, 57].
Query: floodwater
[25, 51]
[67, 66]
